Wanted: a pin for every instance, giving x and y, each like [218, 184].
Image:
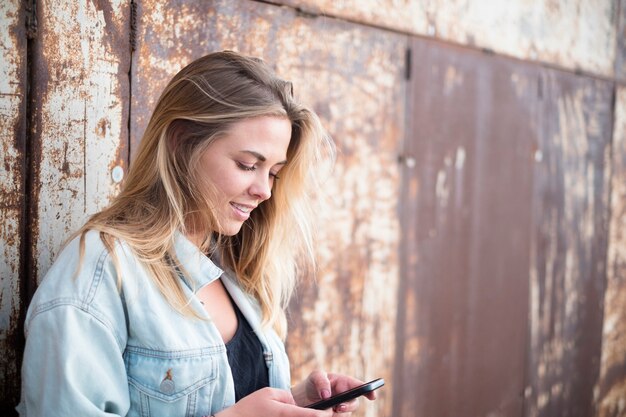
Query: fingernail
[325, 394]
[341, 408]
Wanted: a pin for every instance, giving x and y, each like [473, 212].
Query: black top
[245, 356]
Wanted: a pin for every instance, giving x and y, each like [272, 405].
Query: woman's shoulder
[80, 287]
[83, 273]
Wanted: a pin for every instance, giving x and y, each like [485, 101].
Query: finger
[347, 407]
[342, 383]
[280, 395]
[321, 382]
[371, 395]
[294, 410]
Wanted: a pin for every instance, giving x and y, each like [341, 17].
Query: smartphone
[351, 394]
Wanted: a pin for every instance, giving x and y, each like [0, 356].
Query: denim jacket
[94, 349]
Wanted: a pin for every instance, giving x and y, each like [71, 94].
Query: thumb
[280, 395]
[320, 381]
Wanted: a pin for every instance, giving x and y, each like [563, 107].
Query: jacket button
[167, 386]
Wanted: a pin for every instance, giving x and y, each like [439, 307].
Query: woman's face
[242, 167]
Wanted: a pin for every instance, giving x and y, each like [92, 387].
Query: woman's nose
[261, 188]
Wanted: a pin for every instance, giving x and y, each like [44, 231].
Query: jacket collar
[199, 267]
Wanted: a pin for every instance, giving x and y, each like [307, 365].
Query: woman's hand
[319, 386]
[270, 402]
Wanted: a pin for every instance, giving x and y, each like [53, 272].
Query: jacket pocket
[170, 383]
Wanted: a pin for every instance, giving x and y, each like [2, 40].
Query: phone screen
[348, 395]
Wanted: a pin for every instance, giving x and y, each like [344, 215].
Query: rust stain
[102, 127]
[453, 79]
[355, 297]
[567, 275]
[582, 33]
[610, 391]
[12, 132]
[82, 121]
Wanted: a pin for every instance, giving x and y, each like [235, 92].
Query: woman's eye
[246, 167]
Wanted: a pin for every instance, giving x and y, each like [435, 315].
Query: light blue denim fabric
[93, 350]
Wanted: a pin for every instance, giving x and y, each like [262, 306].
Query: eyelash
[253, 168]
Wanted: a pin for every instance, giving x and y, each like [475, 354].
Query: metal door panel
[463, 304]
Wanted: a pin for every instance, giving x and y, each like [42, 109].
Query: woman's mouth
[242, 211]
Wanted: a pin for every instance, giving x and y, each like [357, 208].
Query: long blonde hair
[162, 194]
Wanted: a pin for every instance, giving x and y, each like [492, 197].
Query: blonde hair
[161, 194]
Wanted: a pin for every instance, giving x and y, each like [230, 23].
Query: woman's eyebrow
[262, 158]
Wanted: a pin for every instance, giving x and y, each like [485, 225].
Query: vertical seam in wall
[526, 374]
[132, 26]
[27, 284]
[607, 256]
[400, 335]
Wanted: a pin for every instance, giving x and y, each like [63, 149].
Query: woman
[170, 301]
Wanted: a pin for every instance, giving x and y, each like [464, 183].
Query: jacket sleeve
[73, 364]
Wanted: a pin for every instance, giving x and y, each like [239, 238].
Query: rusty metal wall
[353, 77]
[12, 170]
[569, 244]
[504, 257]
[470, 242]
[463, 305]
[575, 34]
[610, 391]
[620, 58]
[81, 60]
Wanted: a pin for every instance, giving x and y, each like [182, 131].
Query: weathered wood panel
[12, 145]
[80, 116]
[353, 77]
[610, 392]
[573, 34]
[463, 309]
[569, 245]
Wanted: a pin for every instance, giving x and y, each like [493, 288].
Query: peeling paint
[441, 190]
[12, 130]
[460, 158]
[464, 231]
[568, 251]
[83, 117]
[611, 386]
[453, 79]
[577, 34]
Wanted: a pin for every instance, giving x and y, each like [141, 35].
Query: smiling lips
[242, 210]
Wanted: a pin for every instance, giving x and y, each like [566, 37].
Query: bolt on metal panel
[12, 130]
[569, 245]
[353, 78]
[577, 34]
[80, 134]
[610, 391]
[463, 299]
